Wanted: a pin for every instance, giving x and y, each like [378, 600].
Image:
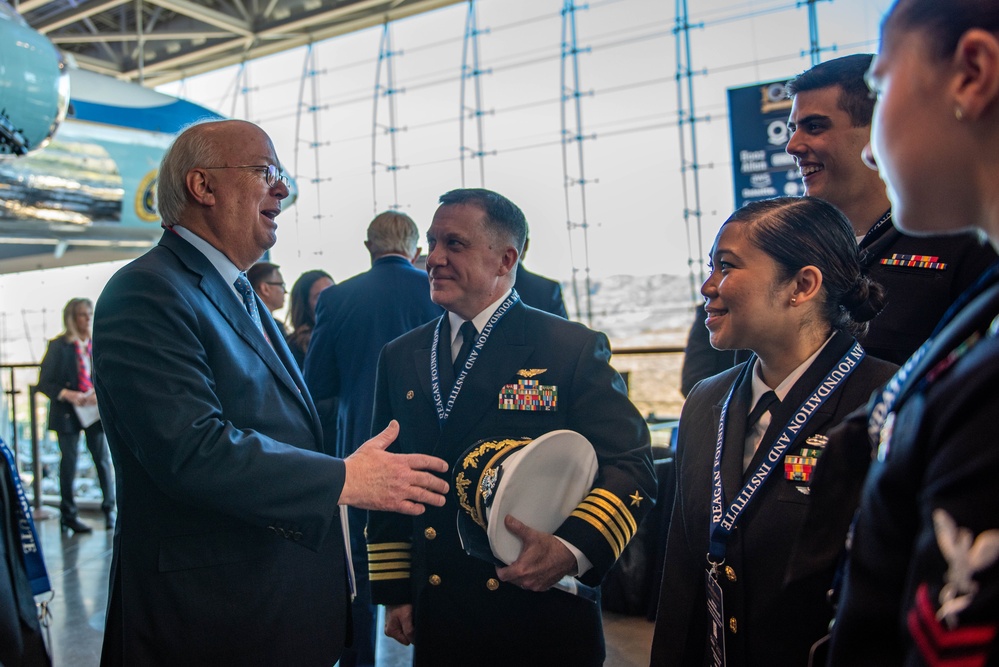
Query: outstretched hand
[379, 480]
[542, 562]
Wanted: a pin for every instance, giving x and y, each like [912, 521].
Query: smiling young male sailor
[830, 123]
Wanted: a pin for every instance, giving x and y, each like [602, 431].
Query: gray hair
[192, 148]
[392, 232]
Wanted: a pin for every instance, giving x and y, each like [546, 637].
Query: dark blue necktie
[468, 336]
[249, 300]
[766, 402]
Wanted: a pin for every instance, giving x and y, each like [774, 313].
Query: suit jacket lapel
[291, 371]
[233, 312]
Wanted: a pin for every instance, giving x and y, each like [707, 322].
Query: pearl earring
[959, 113]
[794, 300]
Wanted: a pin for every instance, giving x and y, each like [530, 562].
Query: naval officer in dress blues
[527, 373]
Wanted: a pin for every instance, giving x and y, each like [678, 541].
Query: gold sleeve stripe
[600, 526]
[612, 528]
[619, 504]
[384, 567]
[611, 514]
[391, 555]
[605, 512]
[388, 576]
[386, 546]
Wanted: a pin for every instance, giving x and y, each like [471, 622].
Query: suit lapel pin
[409, 395]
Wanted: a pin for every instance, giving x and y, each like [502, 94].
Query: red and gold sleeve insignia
[938, 631]
[942, 646]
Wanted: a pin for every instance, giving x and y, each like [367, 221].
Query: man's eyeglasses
[284, 287]
[271, 173]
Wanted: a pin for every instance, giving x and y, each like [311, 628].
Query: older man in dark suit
[451, 606]
[228, 548]
[354, 320]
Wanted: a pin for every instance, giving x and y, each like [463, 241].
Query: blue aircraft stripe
[169, 118]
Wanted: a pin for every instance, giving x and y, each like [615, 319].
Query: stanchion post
[36, 458]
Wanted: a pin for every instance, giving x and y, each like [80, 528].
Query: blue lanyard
[723, 522]
[31, 549]
[444, 410]
[874, 231]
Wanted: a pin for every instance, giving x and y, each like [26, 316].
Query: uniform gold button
[733, 625]
[430, 533]
[435, 580]
[730, 573]
[492, 584]
[409, 395]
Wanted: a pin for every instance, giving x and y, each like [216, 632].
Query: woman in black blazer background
[785, 283]
[66, 378]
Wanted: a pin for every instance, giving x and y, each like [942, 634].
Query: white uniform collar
[479, 320]
[760, 387]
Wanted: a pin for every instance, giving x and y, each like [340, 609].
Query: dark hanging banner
[758, 119]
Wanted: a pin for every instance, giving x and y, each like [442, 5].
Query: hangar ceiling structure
[153, 42]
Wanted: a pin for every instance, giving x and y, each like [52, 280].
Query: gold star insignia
[636, 498]
[530, 372]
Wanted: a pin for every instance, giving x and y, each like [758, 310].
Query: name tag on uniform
[716, 612]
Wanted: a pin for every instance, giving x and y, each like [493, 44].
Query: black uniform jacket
[766, 622]
[922, 585]
[923, 276]
[463, 613]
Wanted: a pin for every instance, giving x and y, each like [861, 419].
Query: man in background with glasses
[229, 547]
[266, 280]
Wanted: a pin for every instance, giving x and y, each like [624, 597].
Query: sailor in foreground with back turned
[922, 584]
[521, 372]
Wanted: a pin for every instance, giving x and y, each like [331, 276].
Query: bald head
[218, 180]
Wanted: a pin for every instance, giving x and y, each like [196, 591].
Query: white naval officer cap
[539, 481]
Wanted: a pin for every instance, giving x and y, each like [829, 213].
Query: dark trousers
[69, 445]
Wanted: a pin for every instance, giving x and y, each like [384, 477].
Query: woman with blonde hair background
[66, 377]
